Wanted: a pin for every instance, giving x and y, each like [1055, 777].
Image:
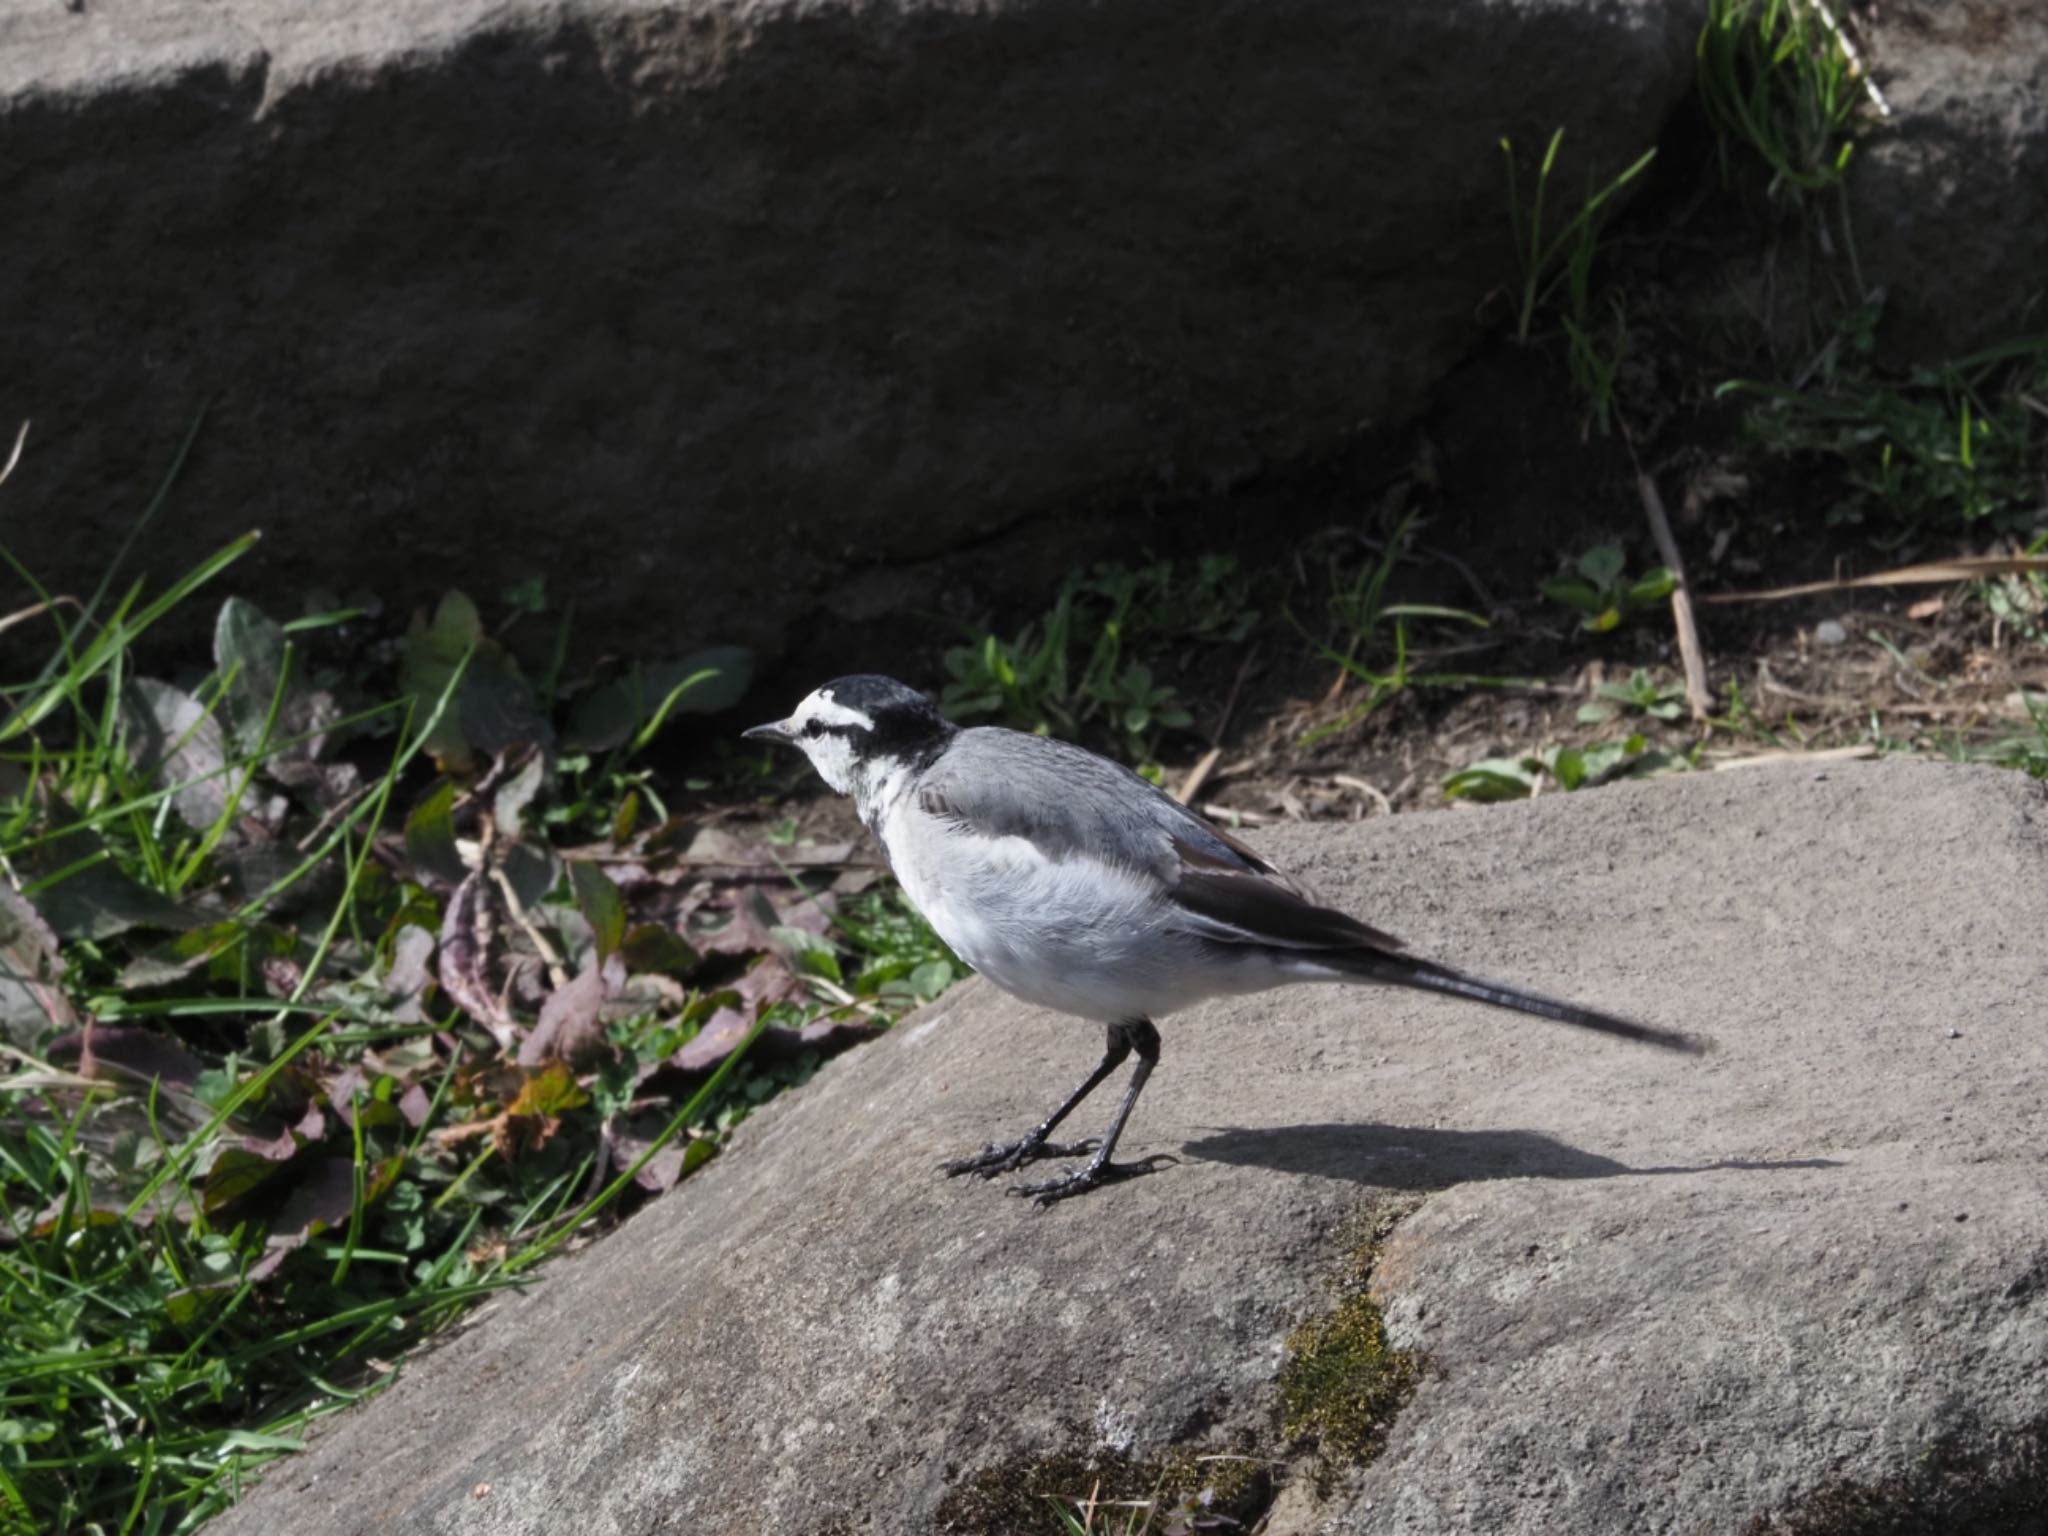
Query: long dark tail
[1428, 976]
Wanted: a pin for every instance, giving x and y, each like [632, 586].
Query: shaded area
[1998, 1490]
[1413, 1158]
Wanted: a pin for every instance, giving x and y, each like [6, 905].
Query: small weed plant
[1569, 768]
[1641, 692]
[2020, 602]
[1599, 588]
[1959, 447]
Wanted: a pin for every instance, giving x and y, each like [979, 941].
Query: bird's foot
[1009, 1157]
[1049, 1191]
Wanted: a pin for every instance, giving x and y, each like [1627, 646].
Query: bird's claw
[1050, 1191]
[1010, 1156]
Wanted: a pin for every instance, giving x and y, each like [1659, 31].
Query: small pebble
[1828, 632]
[1955, 1034]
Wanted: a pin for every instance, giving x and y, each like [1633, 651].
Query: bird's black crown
[907, 723]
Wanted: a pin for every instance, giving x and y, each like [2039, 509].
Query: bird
[1071, 882]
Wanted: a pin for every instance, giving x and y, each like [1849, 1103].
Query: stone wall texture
[694, 304]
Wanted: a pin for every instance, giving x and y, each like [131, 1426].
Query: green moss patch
[1343, 1384]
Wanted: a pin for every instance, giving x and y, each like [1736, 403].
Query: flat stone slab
[1651, 1293]
[703, 308]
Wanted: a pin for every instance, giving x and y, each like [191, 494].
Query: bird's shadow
[1405, 1157]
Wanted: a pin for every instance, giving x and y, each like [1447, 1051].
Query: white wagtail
[1070, 882]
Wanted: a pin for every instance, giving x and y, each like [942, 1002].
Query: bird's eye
[815, 728]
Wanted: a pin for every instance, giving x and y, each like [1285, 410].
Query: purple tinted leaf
[310, 1127]
[32, 999]
[747, 933]
[414, 1104]
[320, 1201]
[176, 741]
[661, 1172]
[657, 948]
[267, 874]
[570, 1028]
[275, 1252]
[725, 1029]
[772, 982]
[721, 1035]
[323, 1196]
[123, 1052]
[327, 784]
[281, 975]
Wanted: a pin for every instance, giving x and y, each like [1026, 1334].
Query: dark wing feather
[1248, 895]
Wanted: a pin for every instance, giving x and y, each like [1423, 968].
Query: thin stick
[1370, 791]
[14, 458]
[1230, 702]
[1926, 574]
[1697, 692]
[1198, 776]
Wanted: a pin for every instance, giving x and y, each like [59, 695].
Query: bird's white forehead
[823, 707]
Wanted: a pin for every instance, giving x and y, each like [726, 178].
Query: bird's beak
[774, 730]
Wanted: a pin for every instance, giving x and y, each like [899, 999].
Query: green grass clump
[1343, 1383]
[1554, 276]
[1777, 82]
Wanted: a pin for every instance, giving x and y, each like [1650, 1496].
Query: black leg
[992, 1160]
[1138, 1035]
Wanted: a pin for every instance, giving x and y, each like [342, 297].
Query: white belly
[1078, 936]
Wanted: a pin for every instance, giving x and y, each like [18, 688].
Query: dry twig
[1198, 776]
[1698, 694]
[1927, 573]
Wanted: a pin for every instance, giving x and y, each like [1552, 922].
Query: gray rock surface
[1950, 201]
[699, 305]
[1655, 1294]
